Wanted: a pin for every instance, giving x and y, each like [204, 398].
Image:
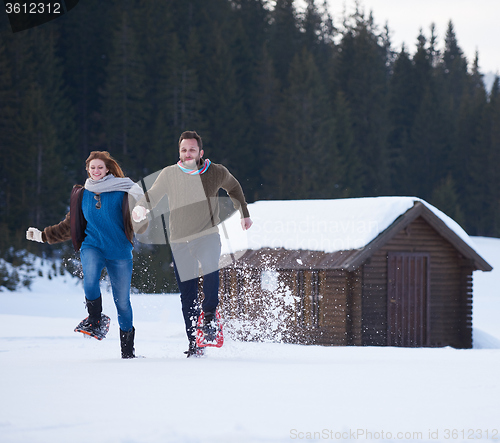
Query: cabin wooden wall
[328, 306]
[240, 293]
[340, 308]
[450, 298]
[287, 314]
[326, 309]
[336, 307]
[333, 328]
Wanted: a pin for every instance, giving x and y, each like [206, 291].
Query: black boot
[96, 324]
[194, 351]
[209, 326]
[127, 343]
[94, 308]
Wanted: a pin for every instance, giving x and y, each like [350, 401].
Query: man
[192, 187]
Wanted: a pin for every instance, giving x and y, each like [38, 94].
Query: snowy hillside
[59, 387]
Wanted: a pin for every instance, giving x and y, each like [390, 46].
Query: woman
[100, 226]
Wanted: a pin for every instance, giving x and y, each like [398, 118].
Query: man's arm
[235, 192]
[151, 197]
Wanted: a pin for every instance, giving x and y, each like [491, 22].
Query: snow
[60, 387]
[486, 294]
[322, 225]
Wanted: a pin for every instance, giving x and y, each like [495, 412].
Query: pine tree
[423, 68]
[348, 160]
[223, 107]
[49, 114]
[23, 71]
[493, 162]
[181, 107]
[445, 198]
[163, 61]
[361, 75]
[124, 109]
[43, 188]
[284, 37]
[253, 18]
[264, 86]
[250, 44]
[454, 81]
[35, 144]
[472, 148]
[429, 144]
[84, 44]
[454, 69]
[304, 161]
[481, 185]
[312, 26]
[8, 131]
[267, 101]
[57, 107]
[403, 103]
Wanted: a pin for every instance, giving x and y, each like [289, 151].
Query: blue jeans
[120, 275]
[205, 251]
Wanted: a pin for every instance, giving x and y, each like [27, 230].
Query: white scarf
[110, 183]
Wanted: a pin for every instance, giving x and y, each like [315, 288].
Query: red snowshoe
[209, 331]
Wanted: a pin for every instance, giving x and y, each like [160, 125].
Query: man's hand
[34, 234]
[139, 214]
[246, 223]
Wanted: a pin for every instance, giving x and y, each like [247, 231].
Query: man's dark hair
[189, 135]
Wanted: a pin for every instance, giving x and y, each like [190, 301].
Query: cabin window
[269, 280]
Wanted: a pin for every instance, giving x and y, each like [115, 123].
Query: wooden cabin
[385, 271]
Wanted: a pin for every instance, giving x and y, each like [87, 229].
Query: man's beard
[192, 163]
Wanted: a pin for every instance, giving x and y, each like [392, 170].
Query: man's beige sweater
[193, 204]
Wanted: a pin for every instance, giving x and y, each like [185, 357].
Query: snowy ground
[59, 387]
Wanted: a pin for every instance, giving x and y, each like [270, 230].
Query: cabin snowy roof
[331, 226]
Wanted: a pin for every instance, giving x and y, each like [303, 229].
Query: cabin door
[408, 295]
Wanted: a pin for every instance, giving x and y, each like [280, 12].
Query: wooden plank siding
[450, 301]
[333, 308]
[327, 311]
[349, 305]
[355, 282]
[407, 308]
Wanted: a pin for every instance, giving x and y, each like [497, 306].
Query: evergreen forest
[295, 106]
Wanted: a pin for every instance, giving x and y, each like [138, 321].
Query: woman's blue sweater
[105, 230]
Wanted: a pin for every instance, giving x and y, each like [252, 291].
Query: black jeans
[188, 257]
